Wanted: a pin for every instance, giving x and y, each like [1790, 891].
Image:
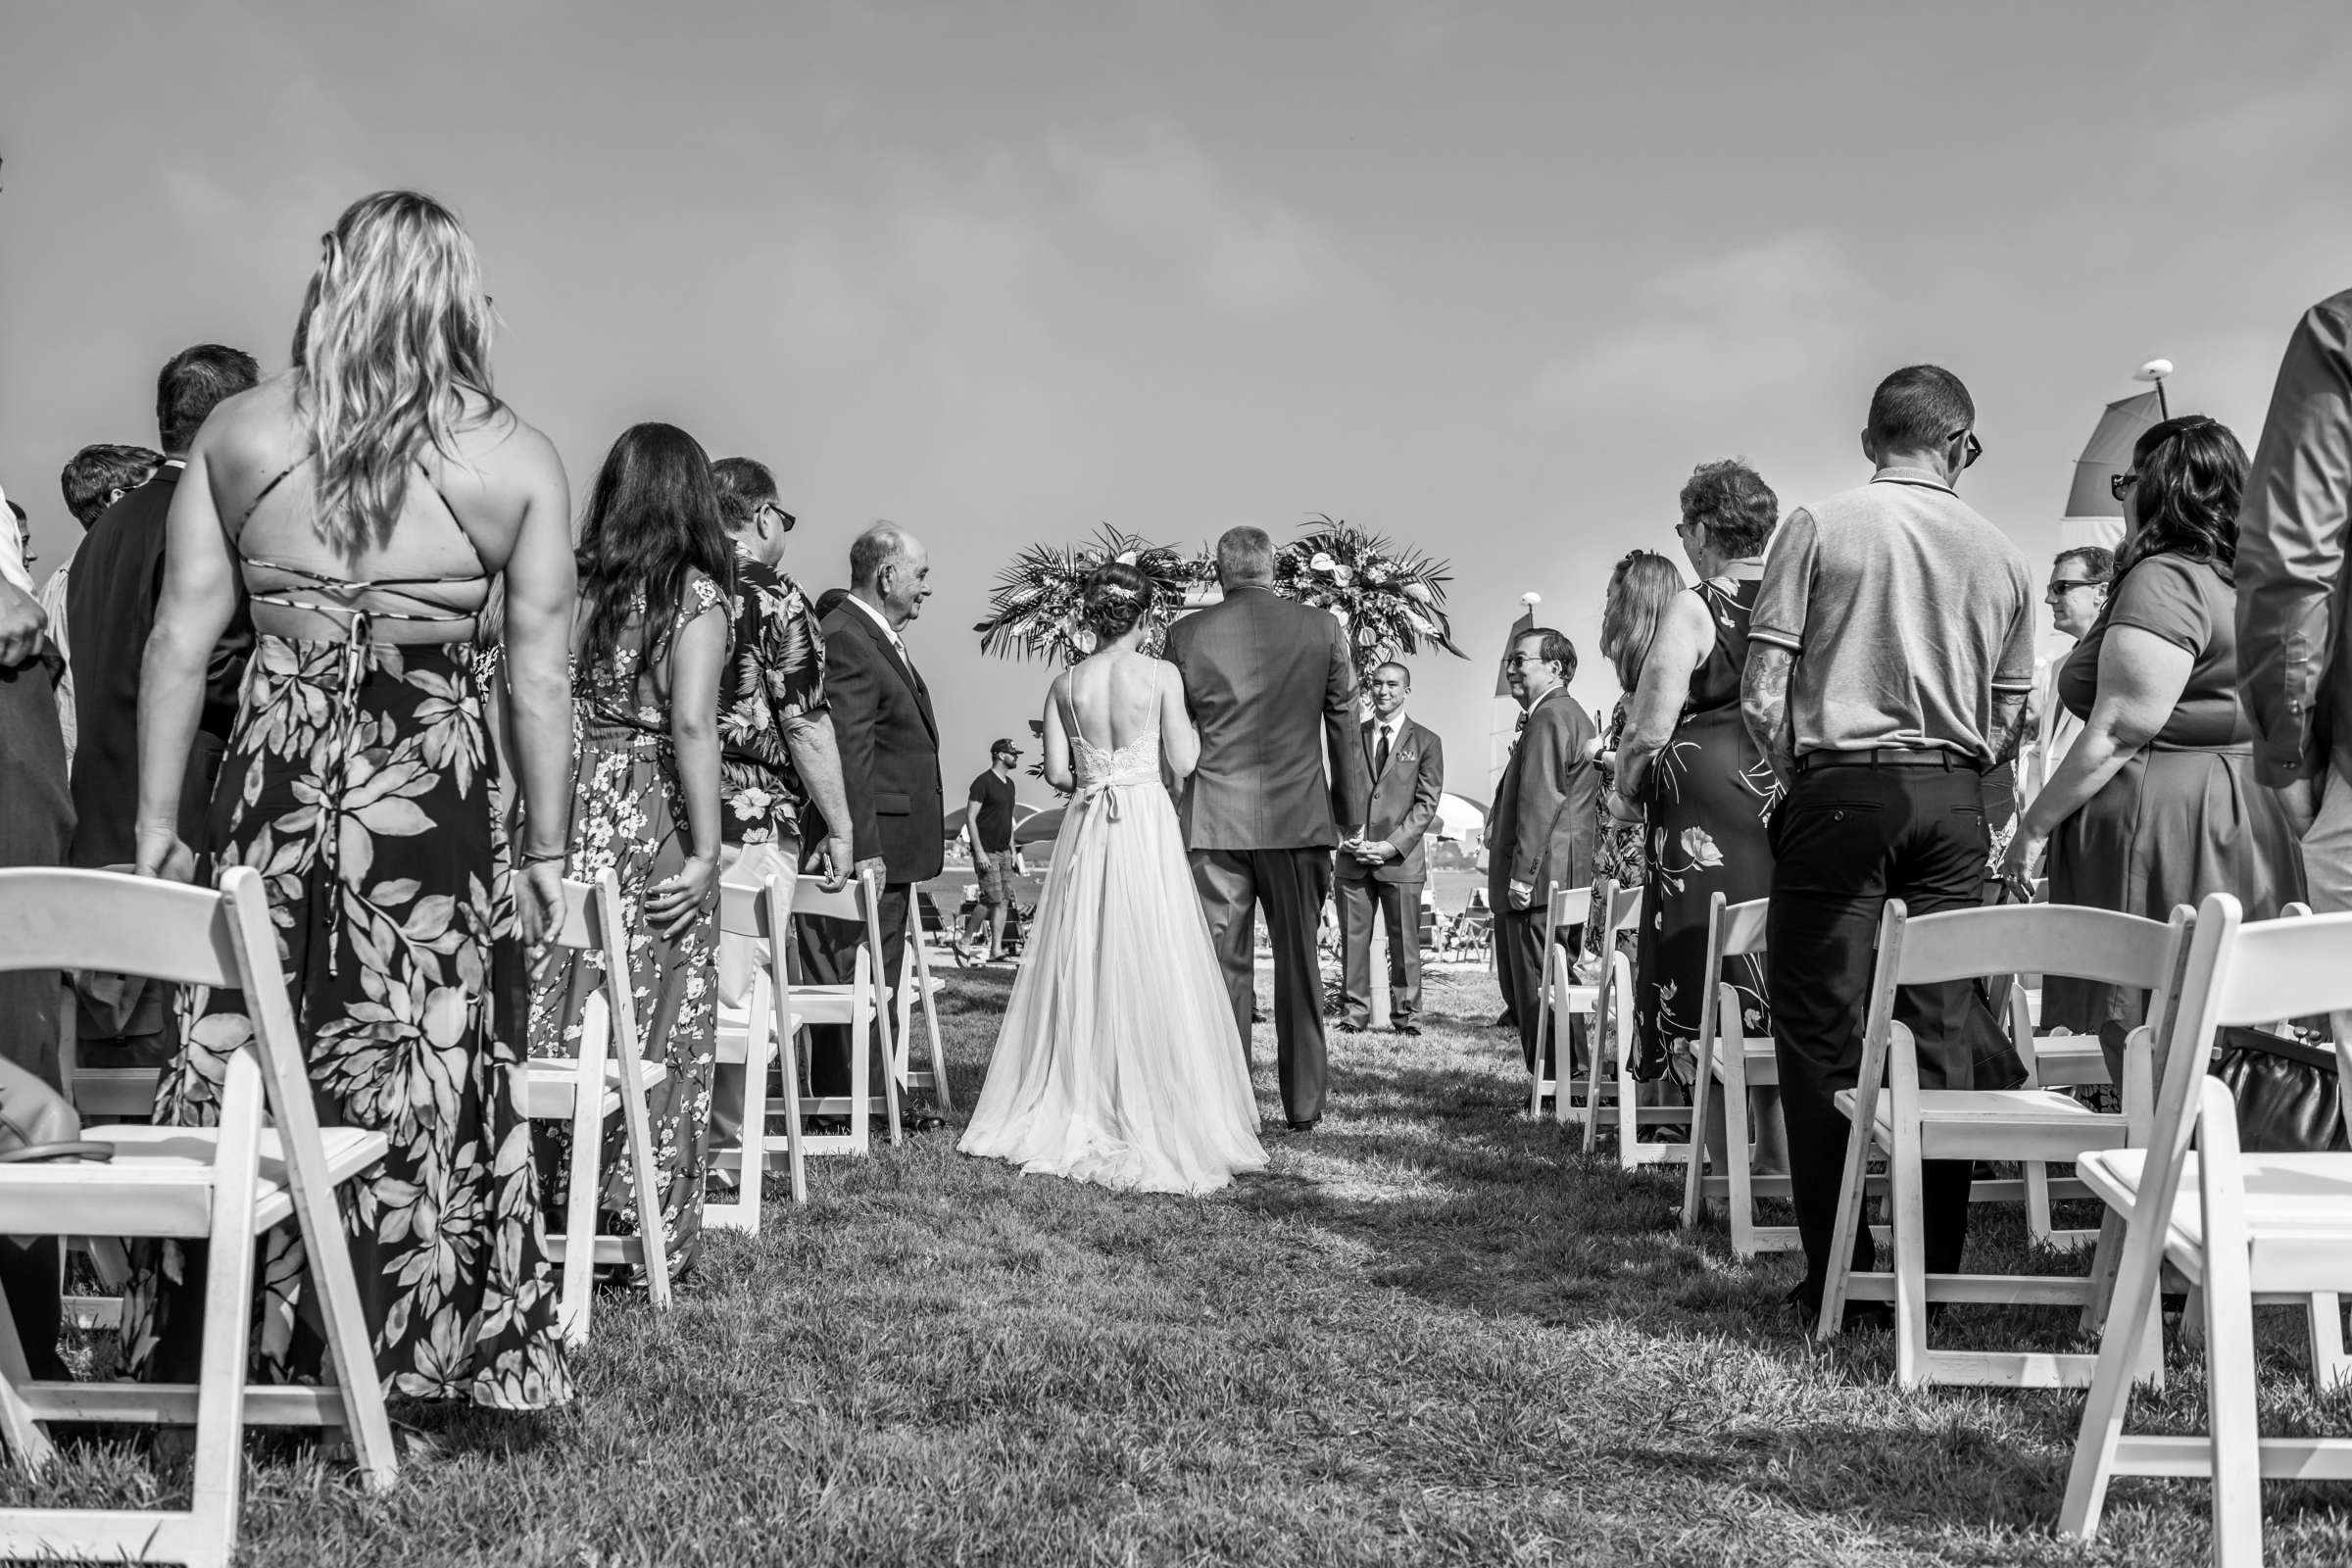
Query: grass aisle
[1431, 1334]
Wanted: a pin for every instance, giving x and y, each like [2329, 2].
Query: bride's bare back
[1113, 700]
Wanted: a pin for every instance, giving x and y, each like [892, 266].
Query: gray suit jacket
[1271, 686]
[1404, 802]
[2294, 658]
[1546, 808]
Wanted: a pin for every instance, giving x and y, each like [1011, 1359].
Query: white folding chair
[1615, 1099]
[225, 1184]
[1557, 994]
[609, 1075]
[765, 1028]
[1891, 1113]
[919, 981]
[2245, 1230]
[1742, 1064]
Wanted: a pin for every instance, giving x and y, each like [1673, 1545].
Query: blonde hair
[1644, 584]
[395, 330]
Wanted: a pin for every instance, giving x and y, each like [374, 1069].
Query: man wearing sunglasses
[1891, 653]
[2077, 593]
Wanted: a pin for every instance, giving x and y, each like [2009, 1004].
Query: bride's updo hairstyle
[1117, 595]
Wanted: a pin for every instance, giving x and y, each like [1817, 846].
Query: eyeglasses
[1522, 660]
[2063, 586]
[784, 519]
[2121, 483]
[1976, 448]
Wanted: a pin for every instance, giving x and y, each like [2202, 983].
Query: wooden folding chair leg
[228, 1303]
[2229, 1375]
[1852, 1192]
[26, 1440]
[1907, 1201]
[2328, 1363]
[2131, 1314]
[577, 1304]
[1543, 1043]
[1709, 1134]
[789, 1071]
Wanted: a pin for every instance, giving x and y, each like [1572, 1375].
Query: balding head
[1244, 555]
[890, 570]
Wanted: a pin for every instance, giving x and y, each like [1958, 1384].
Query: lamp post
[2156, 370]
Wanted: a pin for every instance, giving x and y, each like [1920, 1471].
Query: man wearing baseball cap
[988, 828]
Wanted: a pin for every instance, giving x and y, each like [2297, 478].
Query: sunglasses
[1976, 448]
[784, 519]
[1523, 659]
[2121, 483]
[2064, 586]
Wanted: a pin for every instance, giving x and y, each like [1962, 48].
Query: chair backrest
[743, 914]
[1571, 907]
[59, 920]
[1737, 929]
[586, 912]
[2063, 938]
[1625, 907]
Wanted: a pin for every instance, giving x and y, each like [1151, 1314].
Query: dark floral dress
[1708, 797]
[629, 816]
[358, 783]
[1620, 855]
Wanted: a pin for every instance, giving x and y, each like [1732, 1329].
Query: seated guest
[2156, 804]
[94, 479]
[649, 645]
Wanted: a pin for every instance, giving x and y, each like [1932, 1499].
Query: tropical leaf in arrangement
[1034, 611]
[1390, 598]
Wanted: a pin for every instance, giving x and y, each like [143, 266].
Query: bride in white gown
[1116, 1063]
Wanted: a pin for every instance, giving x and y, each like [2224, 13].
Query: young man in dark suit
[1388, 866]
[1545, 814]
[889, 743]
[1272, 687]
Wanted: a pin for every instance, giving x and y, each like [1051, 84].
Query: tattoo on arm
[2009, 725]
[1764, 705]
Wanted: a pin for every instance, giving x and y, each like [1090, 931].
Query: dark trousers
[37, 827]
[1398, 906]
[828, 951]
[1845, 840]
[1519, 970]
[1292, 885]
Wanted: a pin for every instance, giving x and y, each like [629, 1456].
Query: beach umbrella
[1042, 827]
[1022, 811]
[1458, 816]
[2109, 453]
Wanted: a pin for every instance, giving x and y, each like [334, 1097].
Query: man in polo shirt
[1891, 656]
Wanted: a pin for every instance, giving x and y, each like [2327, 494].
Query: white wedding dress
[1116, 1063]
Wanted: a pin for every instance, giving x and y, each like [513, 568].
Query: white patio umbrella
[1458, 816]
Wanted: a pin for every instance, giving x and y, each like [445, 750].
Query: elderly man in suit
[1545, 818]
[1386, 867]
[1271, 686]
[889, 743]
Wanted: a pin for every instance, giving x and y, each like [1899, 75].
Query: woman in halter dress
[369, 498]
[1116, 1061]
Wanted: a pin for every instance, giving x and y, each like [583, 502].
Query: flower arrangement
[1035, 611]
[1388, 599]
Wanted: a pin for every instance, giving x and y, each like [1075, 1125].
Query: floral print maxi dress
[358, 783]
[629, 816]
[1708, 796]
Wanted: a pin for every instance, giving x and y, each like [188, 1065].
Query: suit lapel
[914, 683]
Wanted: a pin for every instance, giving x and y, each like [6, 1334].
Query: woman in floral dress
[1687, 761]
[649, 639]
[369, 498]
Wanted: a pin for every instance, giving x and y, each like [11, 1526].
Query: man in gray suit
[1546, 814]
[1270, 684]
[1381, 875]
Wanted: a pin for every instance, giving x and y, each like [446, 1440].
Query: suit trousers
[1845, 841]
[1399, 907]
[1519, 970]
[1291, 884]
[828, 951]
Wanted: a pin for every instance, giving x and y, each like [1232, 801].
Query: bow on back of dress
[1101, 773]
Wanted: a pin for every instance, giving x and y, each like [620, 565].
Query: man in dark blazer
[1541, 831]
[1386, 867]
[1271, 685]
[110, 608]
[888, 743]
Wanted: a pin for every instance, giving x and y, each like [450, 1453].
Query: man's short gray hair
[875, 549]
[1244, 555]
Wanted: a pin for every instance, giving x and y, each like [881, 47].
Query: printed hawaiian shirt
[775, 673]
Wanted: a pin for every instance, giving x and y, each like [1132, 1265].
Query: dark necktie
[1380, 752]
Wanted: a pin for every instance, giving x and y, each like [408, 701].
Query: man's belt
[1891, 756]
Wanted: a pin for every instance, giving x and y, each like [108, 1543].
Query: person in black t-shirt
[988, 828]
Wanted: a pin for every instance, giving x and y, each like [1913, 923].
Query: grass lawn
[1431, 1334]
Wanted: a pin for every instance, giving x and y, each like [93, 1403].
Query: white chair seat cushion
[548, 1084]
[1997, 1123]
[160, 1183]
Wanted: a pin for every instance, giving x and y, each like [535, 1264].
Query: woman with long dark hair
[1689, 762]
[1115, 1062]
[648, 641]
[2157, 803]
[371, 498]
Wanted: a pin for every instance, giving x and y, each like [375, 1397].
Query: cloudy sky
[1490, 278]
